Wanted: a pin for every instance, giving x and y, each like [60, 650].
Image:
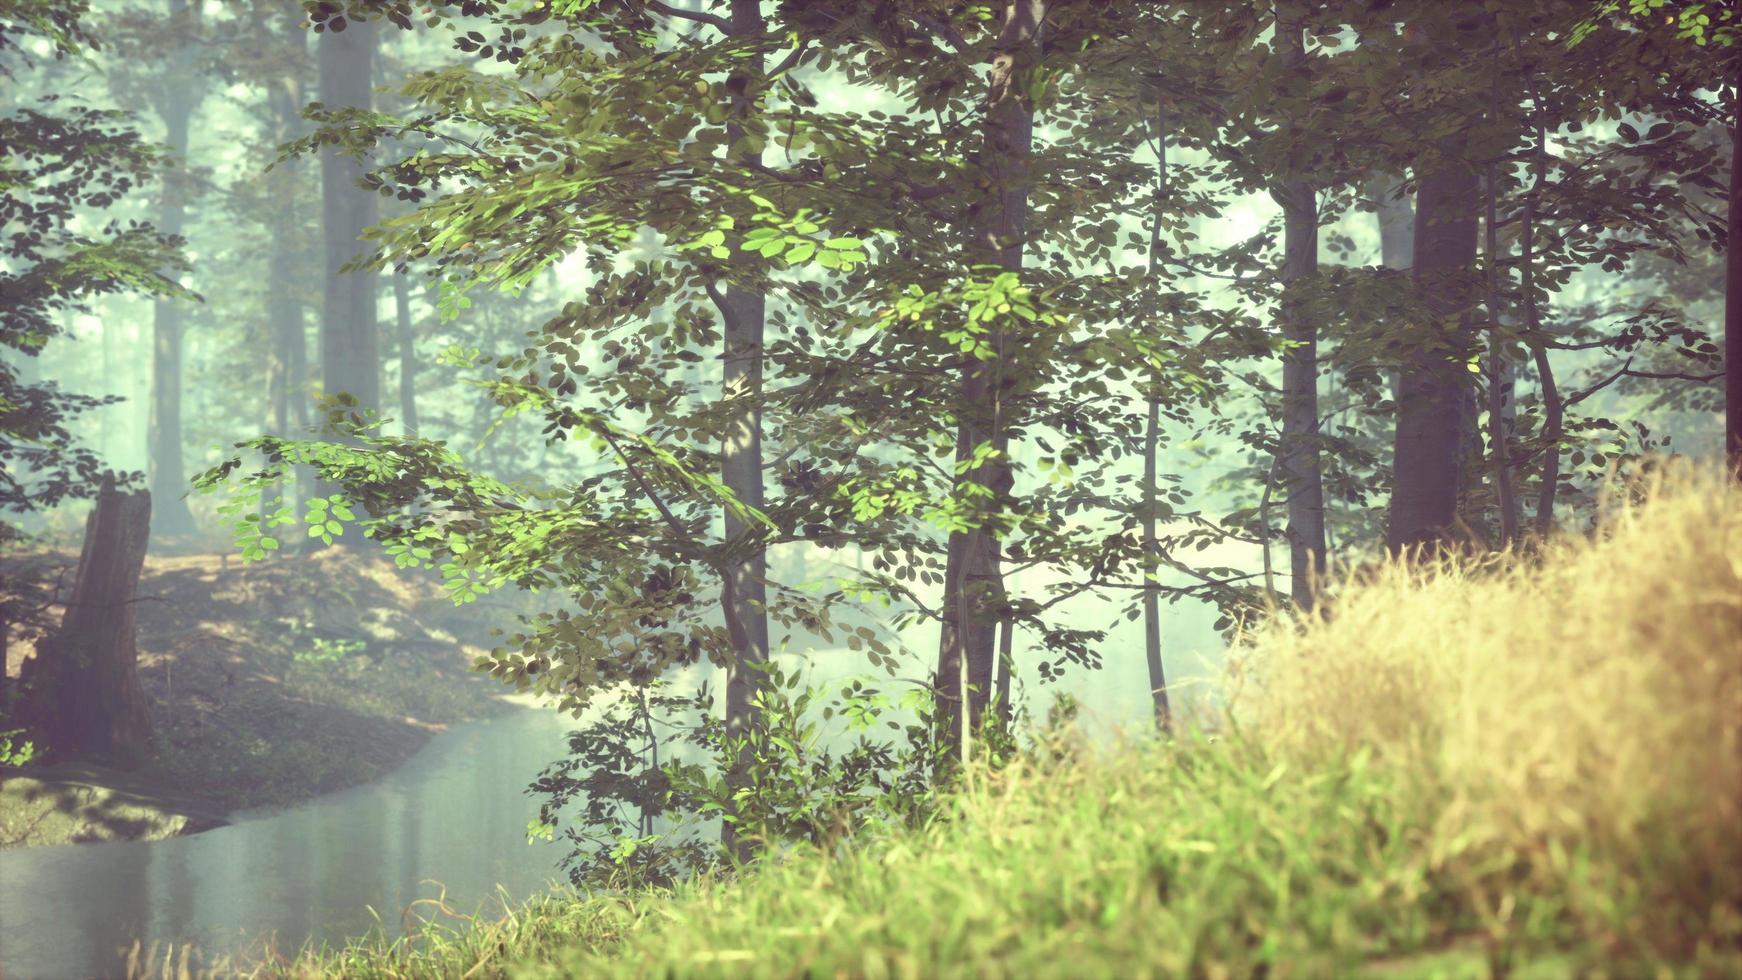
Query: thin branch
[1599, 386]
[942, 29]
[790, 61]
[1674, 375]
[715, 21]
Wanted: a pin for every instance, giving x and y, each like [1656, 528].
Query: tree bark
[1733, 281]
[974, 598]
[1499, 369]
[168, 470]
[741, 448]
[287, 347]
[1434, 392]
[350, 347]
[1151, 448]
[83, 697]
[1300, 361]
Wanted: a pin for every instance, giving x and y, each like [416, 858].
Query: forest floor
[269, 684]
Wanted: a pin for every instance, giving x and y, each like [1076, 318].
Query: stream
[456, 812]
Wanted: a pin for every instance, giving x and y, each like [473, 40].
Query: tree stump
[82, 696]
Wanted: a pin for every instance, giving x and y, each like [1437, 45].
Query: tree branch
[715, 21]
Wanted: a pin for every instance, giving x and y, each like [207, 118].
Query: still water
[456, 812]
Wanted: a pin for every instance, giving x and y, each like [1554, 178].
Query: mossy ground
[1519, 770]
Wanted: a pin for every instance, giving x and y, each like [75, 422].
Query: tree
[283, 46]
[82, 693]
[177, 99]
[1432, 386]
[1299, 453]
[973, 596]
[350, 347]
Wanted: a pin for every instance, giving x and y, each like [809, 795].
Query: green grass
[1521, 769]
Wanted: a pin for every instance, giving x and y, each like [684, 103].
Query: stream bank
[269, 684]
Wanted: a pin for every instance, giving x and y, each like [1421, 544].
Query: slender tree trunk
[1733, 281]
[1151, 447]
[106, 419]
[974, 599]
[168, 470]
[1300, 362]
[287, 347]
[741, 449]
[350, 347]
[1499, 373]
[1006, 667]
[1554, 407]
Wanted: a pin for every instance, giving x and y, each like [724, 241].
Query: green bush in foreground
[1511, 767]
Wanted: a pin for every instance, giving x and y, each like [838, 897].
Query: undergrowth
[1505, 766]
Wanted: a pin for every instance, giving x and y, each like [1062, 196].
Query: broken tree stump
[82, 697]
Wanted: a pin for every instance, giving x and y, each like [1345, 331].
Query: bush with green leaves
[821, 766]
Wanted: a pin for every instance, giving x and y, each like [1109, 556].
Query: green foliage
[15, 751]
[60, 158]
[819, 766]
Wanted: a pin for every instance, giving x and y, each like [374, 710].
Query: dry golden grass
[1592, 699]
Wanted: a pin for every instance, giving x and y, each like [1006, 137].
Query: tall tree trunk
[350, 347]
[287, 347]
[1733, 281]
[974, 599]
[168, 471]
[1434, 393]
[741, 449]
[1300, 362]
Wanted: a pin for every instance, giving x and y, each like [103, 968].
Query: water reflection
[456, 813]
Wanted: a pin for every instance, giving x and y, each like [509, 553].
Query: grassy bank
[268, 684]
[1525, 771]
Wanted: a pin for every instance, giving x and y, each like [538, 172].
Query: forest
[1199, 488]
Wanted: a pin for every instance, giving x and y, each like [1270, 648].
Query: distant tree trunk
[168, 470]
[1300, 362]
[974, 598]
[350, 347]
[83, 696]
[287, 348]
[407, 355]
[746, 590]
[112, 382]
[1434, 392]
[1396, 216]
[1733, 280]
